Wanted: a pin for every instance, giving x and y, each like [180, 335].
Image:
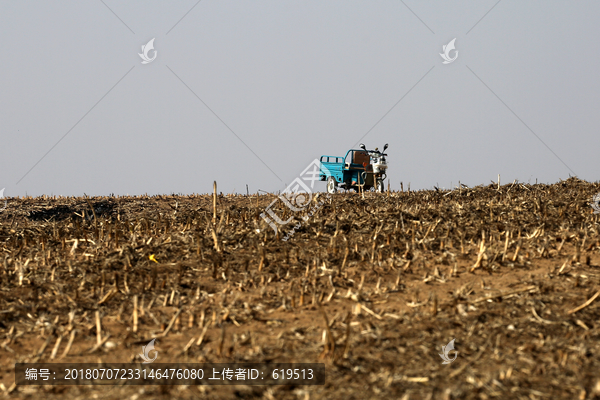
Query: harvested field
[373, 287]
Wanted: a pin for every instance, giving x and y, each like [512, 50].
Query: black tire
[332, 185]
[380, 188]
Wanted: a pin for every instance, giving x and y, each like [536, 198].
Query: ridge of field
[373, 286]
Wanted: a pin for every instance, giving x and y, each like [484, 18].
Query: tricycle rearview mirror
[385, 147]
[362, 146]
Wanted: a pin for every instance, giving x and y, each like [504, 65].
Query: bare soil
[372, 287]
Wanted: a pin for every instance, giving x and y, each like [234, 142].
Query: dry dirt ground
[372, 287]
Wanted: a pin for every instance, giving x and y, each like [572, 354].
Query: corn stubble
[373, 287]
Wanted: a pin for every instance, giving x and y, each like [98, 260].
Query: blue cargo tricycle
[359, 169]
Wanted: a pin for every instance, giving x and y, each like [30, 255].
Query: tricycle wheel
[380, 188]
[331, 185]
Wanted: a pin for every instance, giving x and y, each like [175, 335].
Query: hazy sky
[293, 80]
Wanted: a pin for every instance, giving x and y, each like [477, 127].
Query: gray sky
[293, 80]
